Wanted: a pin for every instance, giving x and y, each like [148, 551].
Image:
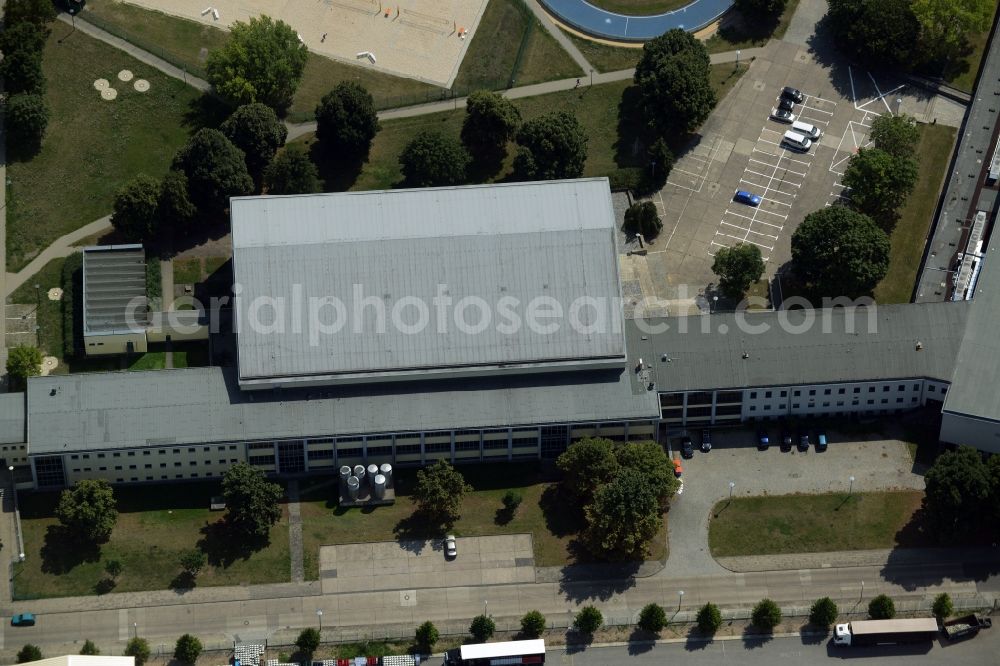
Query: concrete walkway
[295, 532]
[167, 284]
[564, 41]
[136, 52]
[62, 247]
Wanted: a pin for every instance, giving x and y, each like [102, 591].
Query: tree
[256, 130]
[943, 607]
[432, 160]
[761, 8]
[29, 653]
[491, 120]
[709, 619]
[482, 628]
[187, 649]
[22, 72]
[533, 624]
[139, 649]
[113, 568]
[292, 172]
[134, 213]
[650, 458]
[251, 500]
[586, 465]
[652, 618]
[823, 612]
[623, 517]
[38, 12]
[24, 36]
[958, 486]
[511, 500]
[215, 170]
[944, 24]
[27, 117]
[551, 146]
[738, 267]
[883, 31]
[588, 620]
[642, 218]
[879, 183]
[174, 209]
[192, 562]
[838, 251]
[23, 361]
[427, 635]
[308, 641]
[89, 648]
[439, 492]
[262, 61]
[881, 608]
[346, 121]
[88, 510]
[675, 90]
[766, 615]
[660, 162]
[896, 135]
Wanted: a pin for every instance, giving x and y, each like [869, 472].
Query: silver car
[450, 547]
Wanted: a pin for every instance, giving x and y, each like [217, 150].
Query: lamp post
[591, 77]
[319, 614]
[862, 589]
[851, 489]
[135, 630]
[899, 100]
[486, 604]
[737, 58]
[680, 598]
[17, 517]
[731, 486]
[715, 304]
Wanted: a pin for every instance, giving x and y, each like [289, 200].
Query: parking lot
[876, 463]
[739, 148]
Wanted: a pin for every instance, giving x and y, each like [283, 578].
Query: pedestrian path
[62, 247]
[295, 532]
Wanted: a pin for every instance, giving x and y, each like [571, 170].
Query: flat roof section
[407, 267]
[727, 350]
[113, 277]
[115, 410]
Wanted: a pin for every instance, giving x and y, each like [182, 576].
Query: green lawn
[49, 315]
[155, 525]
[604, 57]
[814, 523]
[92, 147]
[962, 74]
[595, 107]
[640, 7]
[553, 528]
[910, 234]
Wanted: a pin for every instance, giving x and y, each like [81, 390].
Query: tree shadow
[416, 532]
[183, 582]
[811, 634]
[630, 144]
[486, 164]
[563, 513]
[754, 638]
[826, 54]
[641, 641]
[338, 173]
[696, 640]
[223, 544]
[104, 586]
[206, 110]
[596, 582]
[503, 516]
[62, 551]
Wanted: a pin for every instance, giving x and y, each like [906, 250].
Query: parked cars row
[801, 439]
[802, 135]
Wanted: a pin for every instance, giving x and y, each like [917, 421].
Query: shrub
[588, 620]
[139, 649]
[942, 606]
[881, 608]
[482, 628]
[511, 500]
[823, 612]
[308, 641]
[89, 648]
[187, 649]
[29, 653]
[709, 618]
[652, 618]
[427, 635]
[766, 615]
[533, 624]
[642, 218]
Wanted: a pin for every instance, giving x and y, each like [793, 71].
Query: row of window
[119, 468]
[147, 452]
[840, 403]
[840, 391]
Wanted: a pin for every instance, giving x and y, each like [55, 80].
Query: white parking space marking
[700, 165]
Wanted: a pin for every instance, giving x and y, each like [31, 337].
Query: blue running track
[600, 23]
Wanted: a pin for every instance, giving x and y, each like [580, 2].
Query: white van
[806, 129]
[796, 141]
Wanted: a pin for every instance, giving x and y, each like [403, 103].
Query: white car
[450, 547]
[782, 116]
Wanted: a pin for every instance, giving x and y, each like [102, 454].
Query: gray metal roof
[113, 277]
[11, 418]
[702, 359]
[129, 409]
[977, 371]
[512, 241]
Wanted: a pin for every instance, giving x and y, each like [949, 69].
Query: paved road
[790, 650]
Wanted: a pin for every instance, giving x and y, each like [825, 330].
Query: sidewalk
[864, 558]
[62, 247]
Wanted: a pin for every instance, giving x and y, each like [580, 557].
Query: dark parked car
[793, 94]
[706, 441]
[786, 440]
[763, 441]
[820, 440]
[786, 105]
[687, 448]
[803, 440]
